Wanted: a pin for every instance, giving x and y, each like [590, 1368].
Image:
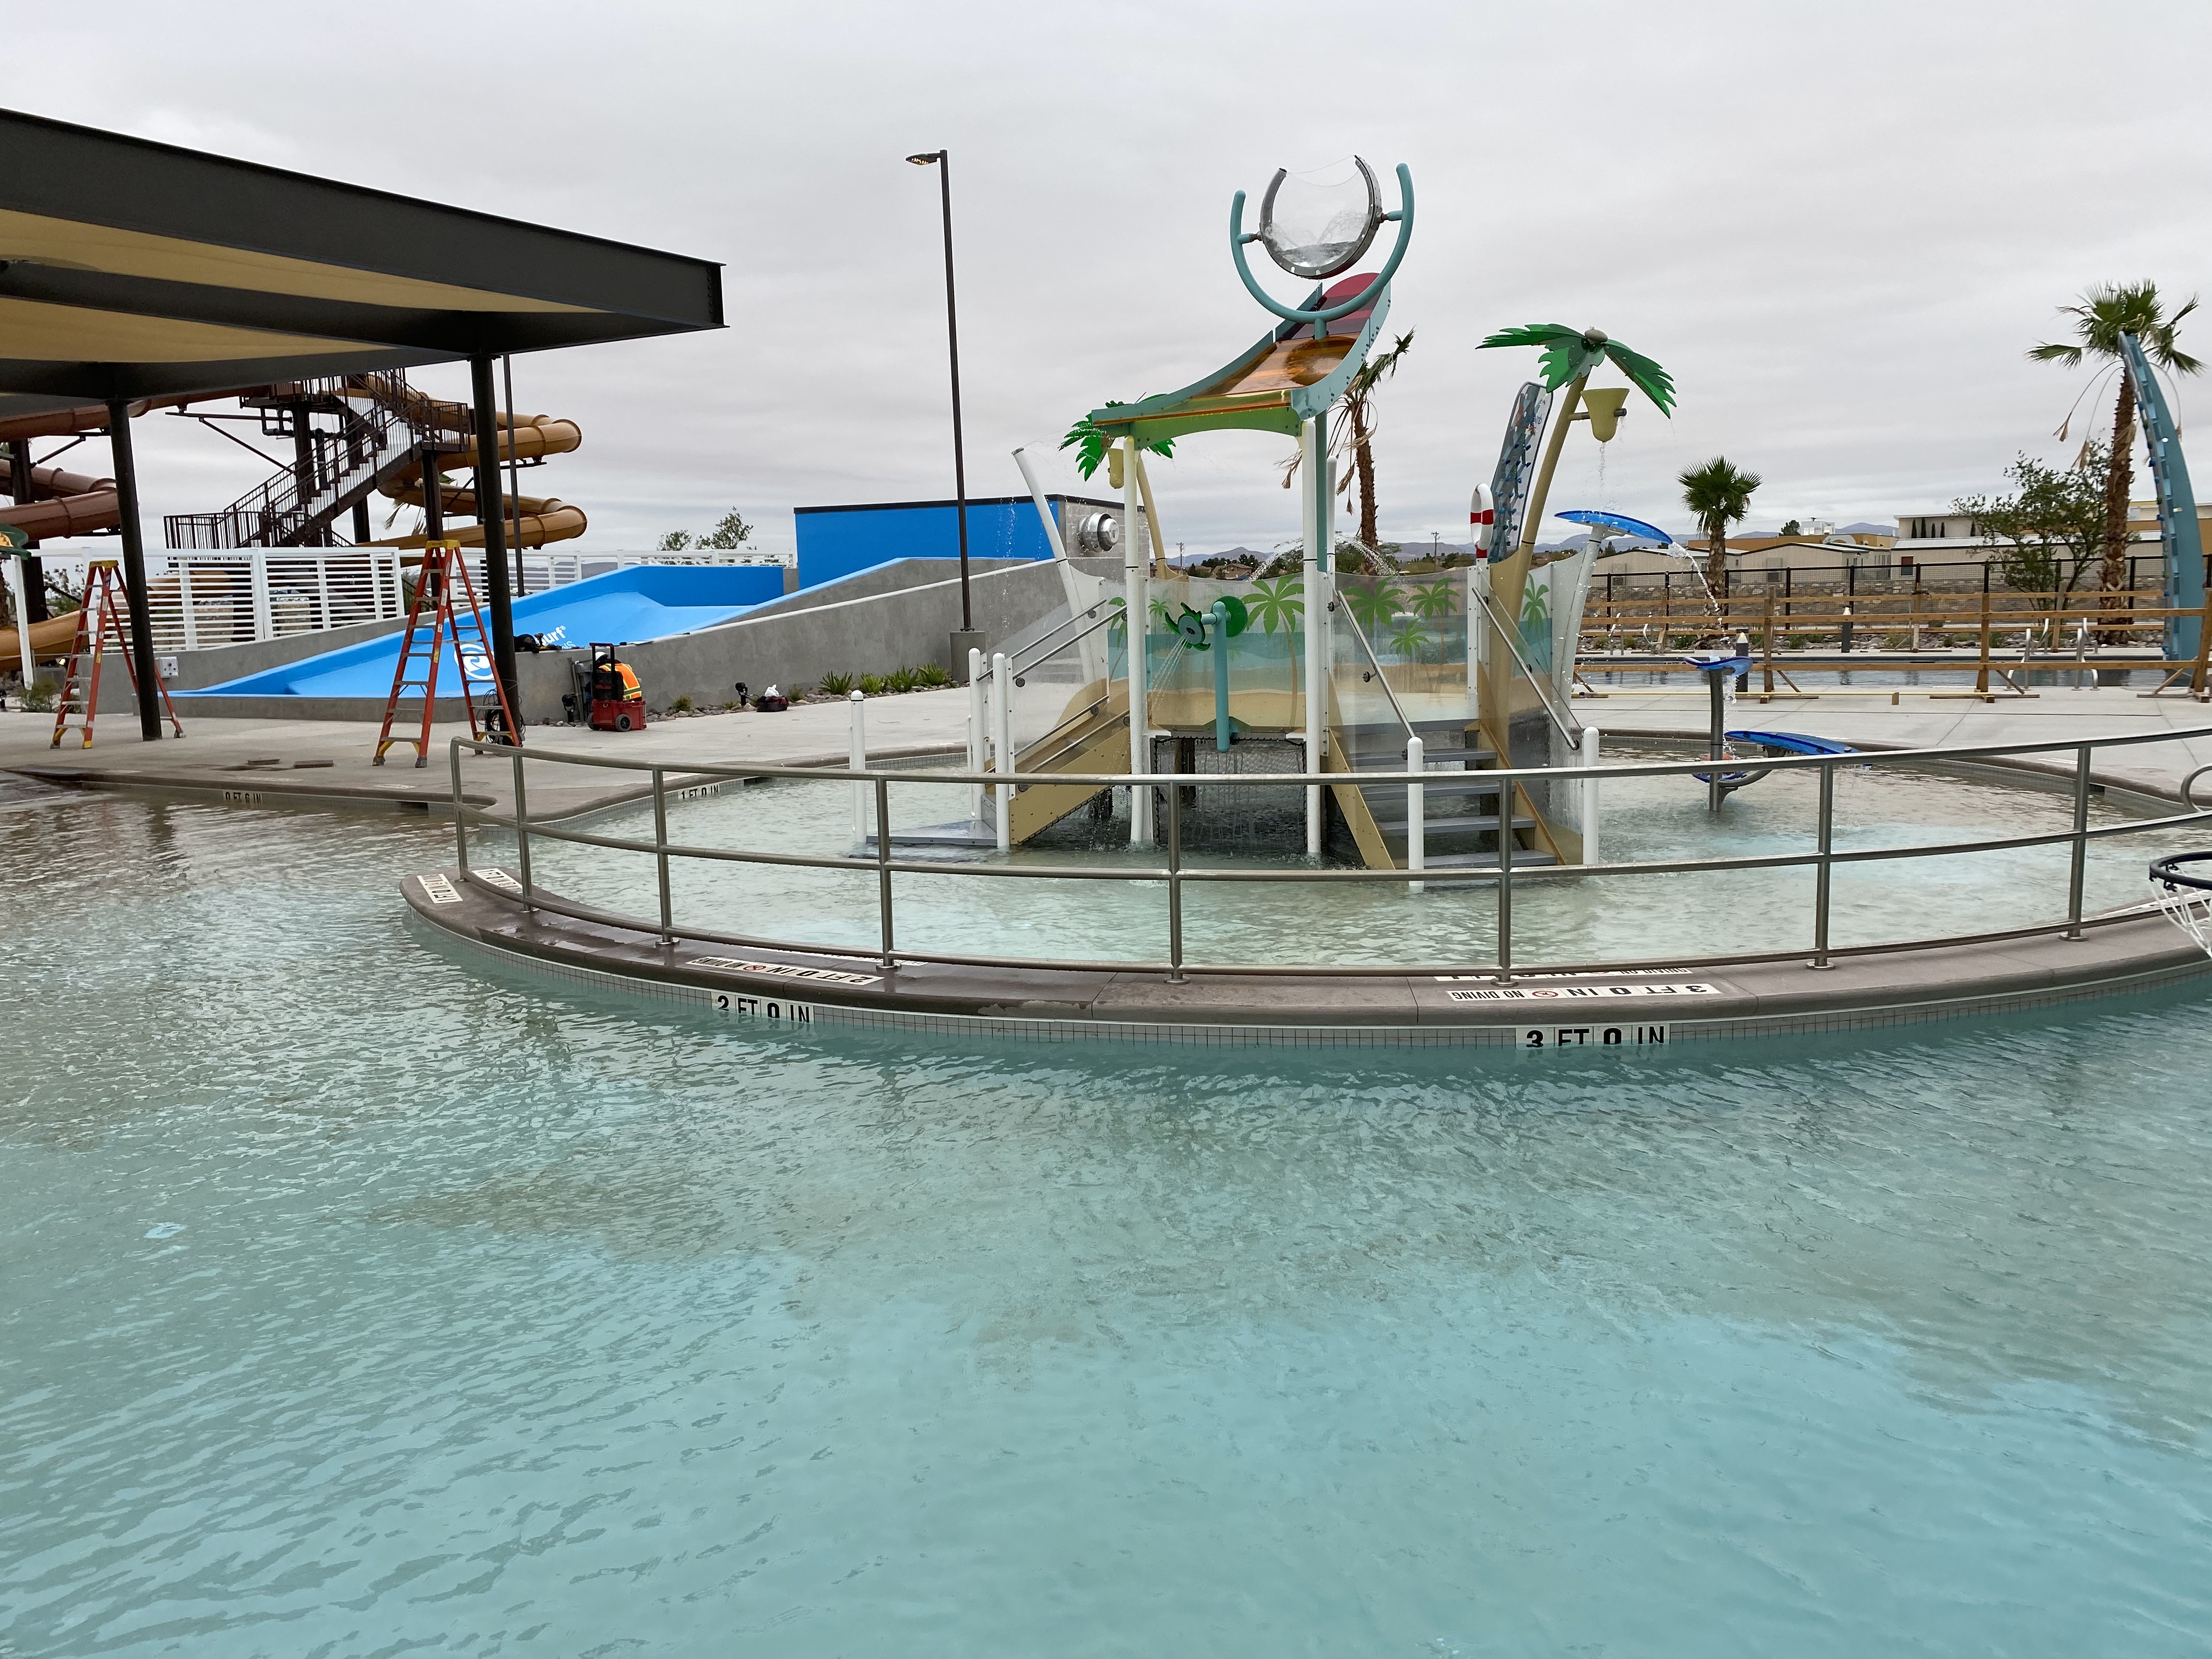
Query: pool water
[1609, 918]
[363, 1299]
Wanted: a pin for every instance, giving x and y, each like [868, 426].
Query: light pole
[968, 637]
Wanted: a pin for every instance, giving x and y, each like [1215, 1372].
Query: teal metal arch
[2177, 507]
[1321, 315]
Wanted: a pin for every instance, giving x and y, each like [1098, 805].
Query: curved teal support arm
[1238, 236]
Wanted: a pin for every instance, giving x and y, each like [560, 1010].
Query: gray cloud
[1840, 227]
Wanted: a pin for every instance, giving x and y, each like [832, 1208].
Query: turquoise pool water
[361, 1300]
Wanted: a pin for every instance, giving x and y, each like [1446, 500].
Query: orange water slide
[530, 437]
[73, 504]
[68, 504]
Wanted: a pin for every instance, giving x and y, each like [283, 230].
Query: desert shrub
[872, 685]
[837, 685]
[929, 676]
[901, 680]
[681, 706]
[38, 697]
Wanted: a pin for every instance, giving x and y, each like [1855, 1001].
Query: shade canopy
[133, 270]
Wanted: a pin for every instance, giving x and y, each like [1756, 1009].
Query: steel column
[134, 569]
[491, 518]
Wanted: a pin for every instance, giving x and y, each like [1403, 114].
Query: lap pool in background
[361, 1299]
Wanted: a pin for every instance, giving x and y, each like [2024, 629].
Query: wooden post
[1767, 641]
[1982, 674]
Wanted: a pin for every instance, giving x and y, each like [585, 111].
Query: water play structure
[1342, 802]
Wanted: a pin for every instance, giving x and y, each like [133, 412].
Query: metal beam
[491, 518]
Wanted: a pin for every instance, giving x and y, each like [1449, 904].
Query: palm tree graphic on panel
[1536, 623]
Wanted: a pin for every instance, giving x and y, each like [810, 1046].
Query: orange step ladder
[97, 626]
[443, 572]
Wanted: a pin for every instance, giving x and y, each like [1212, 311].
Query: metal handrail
[1038, 650]
[1823, 858]
[1380, 678]
[1572, 734]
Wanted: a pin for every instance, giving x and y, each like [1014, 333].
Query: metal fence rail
[1822, 859]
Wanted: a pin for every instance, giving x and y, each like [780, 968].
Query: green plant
[1897, 640]
[901, 680]
[798, 693]
[2105, 314]
[872, 685]
[38, 697]
[1682, 642]
[681, 706]
[837, 685]
[2041, 537]
[1800, 642]
[1719, 495]
[731, 532]
[931, 676]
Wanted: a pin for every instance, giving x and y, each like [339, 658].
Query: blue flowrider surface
[645, 602]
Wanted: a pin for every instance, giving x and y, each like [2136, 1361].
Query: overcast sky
[1840, 227]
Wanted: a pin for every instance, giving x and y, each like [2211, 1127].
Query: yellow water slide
[544, 519]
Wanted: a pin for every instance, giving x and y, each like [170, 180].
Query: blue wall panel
[834, 542]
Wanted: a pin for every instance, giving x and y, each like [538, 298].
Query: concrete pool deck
[214, 755]
[327, 763]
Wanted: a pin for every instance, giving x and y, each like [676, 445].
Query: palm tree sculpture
[1717, 495]
[2106, 313]
[1569, 355]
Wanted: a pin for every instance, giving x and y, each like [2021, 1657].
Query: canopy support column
[491, 518]
[1320, 500]
[134, 569]
[1136, 607]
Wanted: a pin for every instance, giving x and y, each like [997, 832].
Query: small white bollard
[1589, 797]
[1002, 694]
[1417, 807]
[859, 755]
[979, 735]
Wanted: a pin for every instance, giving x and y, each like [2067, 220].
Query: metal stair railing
[276, 513]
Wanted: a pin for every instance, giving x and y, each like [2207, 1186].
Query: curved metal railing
[1174, 875]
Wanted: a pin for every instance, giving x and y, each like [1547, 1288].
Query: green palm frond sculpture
[1570, 354]
[1089, 442]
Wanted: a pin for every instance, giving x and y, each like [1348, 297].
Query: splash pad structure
[1323, 748]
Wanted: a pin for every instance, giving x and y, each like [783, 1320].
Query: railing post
[659, 851]
[1175, 886]
[1002, 698]
[264, 625]
[978, 734]
[886, 958]
[1417, 807]
[858, 750]
[522, 829]
[1824, 871]
[1505, 882]
[1589, 796]
[2074, 878]
[460, 808]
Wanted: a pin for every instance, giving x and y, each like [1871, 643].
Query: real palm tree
[2104, 314]
[1359, 423]
[1718, 495]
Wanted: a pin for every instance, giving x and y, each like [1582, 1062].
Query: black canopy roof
[132, 269]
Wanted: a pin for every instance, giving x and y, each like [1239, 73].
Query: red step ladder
[97, 626]
[444, 571]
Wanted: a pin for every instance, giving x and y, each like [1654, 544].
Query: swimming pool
[361, 1300]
